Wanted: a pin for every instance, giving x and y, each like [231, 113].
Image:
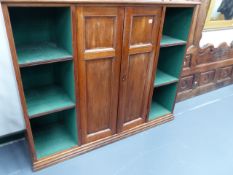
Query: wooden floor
[198, 142]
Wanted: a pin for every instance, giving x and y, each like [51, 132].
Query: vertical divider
[76, 73]
[156, 62]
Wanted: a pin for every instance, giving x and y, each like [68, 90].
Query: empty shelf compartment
[41, 53]
[162, 101]
[54, 133]
[48, 88]
[157, 110]
[41, 34]
[47, 99]
[163, 78]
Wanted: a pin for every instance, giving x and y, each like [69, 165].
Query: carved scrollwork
[209, 54]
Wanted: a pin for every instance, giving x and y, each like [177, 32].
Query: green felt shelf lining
[163, 100]
[171, 60]
[60, 74]
[157, 110]
[54, 133]
[41, 34]
[38, 53]
[46, 100]
[171, 41]
[52, 139]
[176, 28]
[177, 22]
[162, 78]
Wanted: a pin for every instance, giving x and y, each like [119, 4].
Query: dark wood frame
[63, 155]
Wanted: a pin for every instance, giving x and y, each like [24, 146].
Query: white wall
[217, 37]
[11, 117]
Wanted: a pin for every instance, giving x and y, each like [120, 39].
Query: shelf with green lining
[54, 133]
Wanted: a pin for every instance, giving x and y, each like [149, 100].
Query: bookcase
[175, 33]
[89, 75]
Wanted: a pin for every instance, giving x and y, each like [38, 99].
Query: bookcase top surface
[164, 2]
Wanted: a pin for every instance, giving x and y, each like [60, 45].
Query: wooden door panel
[136, 83]
[99, 56]
[101, 83]
[103, 37]
[141, 31]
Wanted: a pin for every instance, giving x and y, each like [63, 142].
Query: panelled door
[99, 47]
[141, 30]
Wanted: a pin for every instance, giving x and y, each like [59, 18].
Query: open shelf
[169, 64]
[157, 110]
[54, 133]
[47, 99]
[168, 41]
[163, 78]
[41, 53]
[48, 88]
[41, 34]
[177, 24]
[162, 101]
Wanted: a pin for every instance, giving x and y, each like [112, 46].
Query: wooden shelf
[46, 100]
[52, 136]
[41, 53]
[163, 78]
[157, 110]
[168, 41]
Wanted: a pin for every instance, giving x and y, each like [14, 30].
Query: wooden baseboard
[67, 154]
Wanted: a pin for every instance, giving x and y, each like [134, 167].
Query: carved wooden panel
[224, 73]
[186, 83]
[99, 53]
[206, 77]
[140, 40]
[211, 68]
